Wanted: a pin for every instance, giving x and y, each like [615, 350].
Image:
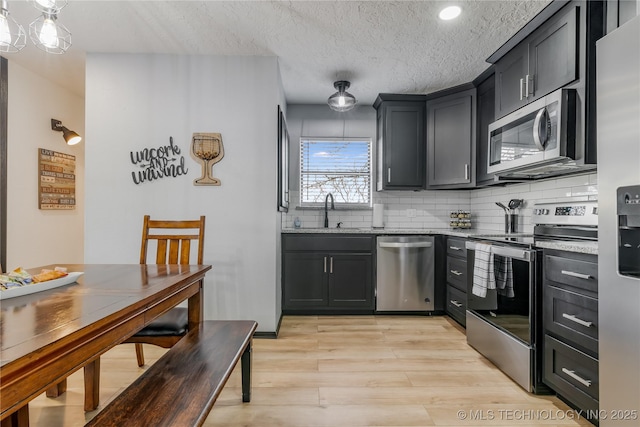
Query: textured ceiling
[380, 46]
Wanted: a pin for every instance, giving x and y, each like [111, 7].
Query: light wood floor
[346, 371]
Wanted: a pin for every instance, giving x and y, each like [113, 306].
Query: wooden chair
[173, 247]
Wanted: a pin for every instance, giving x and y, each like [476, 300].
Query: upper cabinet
[400, 142]
[451, 138]
[486, 96]
[543, 62]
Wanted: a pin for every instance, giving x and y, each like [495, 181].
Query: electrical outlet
[411, 213]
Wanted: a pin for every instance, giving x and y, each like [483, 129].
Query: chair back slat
[185, 251]
[161, 254]
[173, 243]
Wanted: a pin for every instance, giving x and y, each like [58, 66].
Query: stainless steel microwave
[536, 140]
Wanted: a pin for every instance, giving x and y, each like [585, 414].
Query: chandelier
[45, 32]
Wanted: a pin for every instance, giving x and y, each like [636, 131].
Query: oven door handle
[507, 251]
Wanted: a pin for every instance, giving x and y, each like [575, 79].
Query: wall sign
[156, 163]
[57, 183]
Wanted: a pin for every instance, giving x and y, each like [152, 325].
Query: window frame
[344, 205]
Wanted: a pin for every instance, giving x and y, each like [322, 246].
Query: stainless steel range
[504, 319]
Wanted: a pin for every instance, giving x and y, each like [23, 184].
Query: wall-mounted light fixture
[71, 137]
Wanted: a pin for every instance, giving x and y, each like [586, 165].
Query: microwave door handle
[540, 142]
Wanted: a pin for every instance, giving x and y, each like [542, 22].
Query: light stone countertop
[562, 245]
[382, 231]
[569, 246]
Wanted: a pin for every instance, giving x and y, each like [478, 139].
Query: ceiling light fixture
[449, 13]
[12, 35]
[342, 100]
[45, 33]
[70, 137]
[49, 35]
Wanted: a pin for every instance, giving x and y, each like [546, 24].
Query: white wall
[138, 101]
[39, 237]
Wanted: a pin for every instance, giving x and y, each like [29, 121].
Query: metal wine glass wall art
[208, 149]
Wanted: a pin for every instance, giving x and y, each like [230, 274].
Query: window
[341, 167]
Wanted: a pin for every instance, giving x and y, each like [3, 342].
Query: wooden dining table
[48, 335]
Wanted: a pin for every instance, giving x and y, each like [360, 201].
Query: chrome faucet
[326, 213]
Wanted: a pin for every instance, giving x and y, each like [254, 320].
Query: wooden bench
[182, 386]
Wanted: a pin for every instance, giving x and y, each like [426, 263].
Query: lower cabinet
[570, 324]
[325, 274]
[456, 306]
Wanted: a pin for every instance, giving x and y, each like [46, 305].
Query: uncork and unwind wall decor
[167, 161]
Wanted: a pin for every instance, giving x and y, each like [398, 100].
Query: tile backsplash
[431, 209]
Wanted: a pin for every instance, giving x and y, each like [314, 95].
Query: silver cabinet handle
[521, 84]
[389, 175]
[526, 86]
[466, 171]
[331, 265]
[456, 272]
[572, 374]
[578, 275]
[455, 248]
[456, 303]
[325, 264]
[405, 244]
[577, 320]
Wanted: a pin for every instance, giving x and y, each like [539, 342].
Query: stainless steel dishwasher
[405, 273]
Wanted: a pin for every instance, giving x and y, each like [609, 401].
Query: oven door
[501, 325]
[535, 134]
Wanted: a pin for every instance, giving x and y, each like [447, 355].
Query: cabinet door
[403, 152]
[486, 116]
[350, 280]
[305, 280]
[451, 140]
[511, 74]
[553, 55]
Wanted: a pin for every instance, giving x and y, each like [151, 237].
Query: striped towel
[483, 277]
[503, 268]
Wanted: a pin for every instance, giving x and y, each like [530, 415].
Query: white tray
[38, 287]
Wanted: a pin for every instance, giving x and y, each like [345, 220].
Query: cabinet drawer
[455, 247]
[456, 304]
[572, 316]
[571, 373]
[457, 273]
[324, 243]
[577, 273]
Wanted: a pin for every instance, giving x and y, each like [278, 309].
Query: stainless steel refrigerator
[618, 111]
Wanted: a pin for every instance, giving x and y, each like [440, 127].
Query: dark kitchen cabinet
[486, 97]
[327, 274]
[543, 62]
[400, 142]
[451, 139]
[456, 306]
[570, 326]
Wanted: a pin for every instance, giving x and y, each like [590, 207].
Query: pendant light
[49, 35]
[12, 35]
[45, 32]
[341, 100]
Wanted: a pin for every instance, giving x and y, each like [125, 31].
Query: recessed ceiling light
[450, 12]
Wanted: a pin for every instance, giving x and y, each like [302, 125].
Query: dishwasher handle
[405, 244]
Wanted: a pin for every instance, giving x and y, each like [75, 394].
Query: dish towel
[503, 267]
[483, 277]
